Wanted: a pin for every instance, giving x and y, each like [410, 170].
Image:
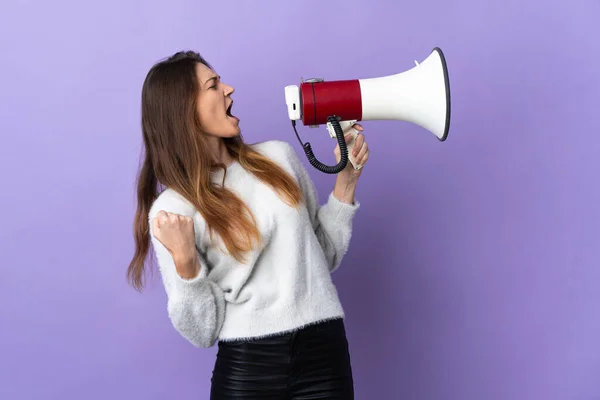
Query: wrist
[186, 264]
[345, 187]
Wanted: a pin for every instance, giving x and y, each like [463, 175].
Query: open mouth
[228, 112]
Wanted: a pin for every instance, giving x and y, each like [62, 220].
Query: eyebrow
[214, 78]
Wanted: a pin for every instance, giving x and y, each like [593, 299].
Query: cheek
[209, 112]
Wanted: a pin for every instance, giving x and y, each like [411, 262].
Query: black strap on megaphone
[339, 135]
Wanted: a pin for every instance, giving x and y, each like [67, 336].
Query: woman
[244, 249]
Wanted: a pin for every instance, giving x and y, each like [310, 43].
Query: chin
[236, 128]
[234, 134]
[229, 129]
[230, 133]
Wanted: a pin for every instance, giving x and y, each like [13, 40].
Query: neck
[219, 151]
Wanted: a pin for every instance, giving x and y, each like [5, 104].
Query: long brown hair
[176, 157]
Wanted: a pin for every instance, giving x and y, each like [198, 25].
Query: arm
[332, 221]
[196, 306]
[345, 188]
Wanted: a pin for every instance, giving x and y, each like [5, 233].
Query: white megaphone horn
[420, 95]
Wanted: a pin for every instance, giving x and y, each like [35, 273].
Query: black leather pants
[311, 363]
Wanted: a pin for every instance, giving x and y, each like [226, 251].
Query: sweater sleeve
[196, 307]
[332, 221]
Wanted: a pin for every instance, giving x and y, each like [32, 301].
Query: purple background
[473, 271]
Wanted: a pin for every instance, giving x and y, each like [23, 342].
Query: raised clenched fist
[176, 233]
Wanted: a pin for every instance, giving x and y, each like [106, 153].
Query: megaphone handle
[347, 127]
[351, 158]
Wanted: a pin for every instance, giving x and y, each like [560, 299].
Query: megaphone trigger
[345, 125]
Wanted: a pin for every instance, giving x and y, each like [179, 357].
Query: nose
[228, 90]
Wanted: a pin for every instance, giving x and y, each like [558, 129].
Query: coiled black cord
[339, 135]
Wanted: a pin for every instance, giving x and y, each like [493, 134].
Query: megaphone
[420, 96]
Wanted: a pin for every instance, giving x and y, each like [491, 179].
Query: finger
[358, 144]
[365, 158]
[162, 217]
[364, 152]
[358, 127]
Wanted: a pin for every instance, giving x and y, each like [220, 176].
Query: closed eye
[215, 81]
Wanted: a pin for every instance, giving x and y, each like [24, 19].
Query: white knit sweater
[284, 285]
